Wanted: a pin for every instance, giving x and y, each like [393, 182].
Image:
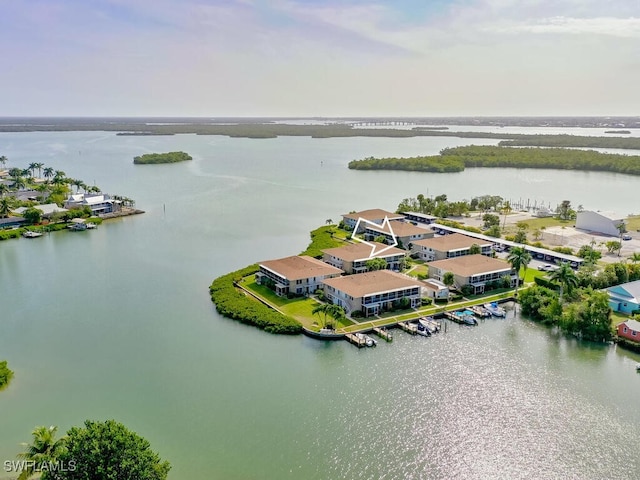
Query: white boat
[480, 311]
[495, 310]
[428, 324]
[31, 234]
[638, 367]
[91, 225]
[368, 341]
[423, 330]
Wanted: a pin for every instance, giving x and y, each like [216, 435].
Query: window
[633, 333]
[625, 330]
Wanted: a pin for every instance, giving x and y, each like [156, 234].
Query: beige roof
[370, 283]
[298, 267]
[402, 229]
[362, 251]
[469, 265]
[446, 243]
[373, 214]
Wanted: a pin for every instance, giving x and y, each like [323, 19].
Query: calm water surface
[117, 323]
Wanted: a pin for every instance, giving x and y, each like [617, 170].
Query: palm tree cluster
[336, 313]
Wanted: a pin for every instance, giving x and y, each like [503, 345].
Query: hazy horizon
[329, 59]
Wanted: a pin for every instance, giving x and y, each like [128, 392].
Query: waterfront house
[353, 258]
[625, 298]
[47, 209]
[629, 329]
[448, 246]
[473, 270]
[599, 222]
[375, 215]
[372, 292]
[99, 203]
[297, 275]
[405, 233]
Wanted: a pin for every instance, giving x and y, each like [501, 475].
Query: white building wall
[596, 222]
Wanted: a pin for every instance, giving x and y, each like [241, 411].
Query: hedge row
[235, 304]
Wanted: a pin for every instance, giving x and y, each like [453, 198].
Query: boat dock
[410, 328]
[355, 340]
[383, 333]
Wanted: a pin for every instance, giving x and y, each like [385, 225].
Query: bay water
[117, 323]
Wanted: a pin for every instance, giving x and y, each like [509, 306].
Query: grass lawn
[419, 269]
[533, 273]
[633, 223]
[300, 308]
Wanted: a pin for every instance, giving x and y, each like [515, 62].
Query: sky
[310, 58]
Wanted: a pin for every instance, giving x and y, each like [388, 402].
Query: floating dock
[355, 340]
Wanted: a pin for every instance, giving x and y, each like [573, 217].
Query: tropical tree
[635, 257]
[566, 277]
[520, 236]
[108, 451]
[506, 210]
[3, 160]
[376, 264]
[15, 172]
[3, 189]
[19, 182]
[48, 173]
[475, 249]
[33, 166]
[537, 234]
[5, 207]
[44, 449]
[564, 210]
[448, 279]
[328, 221]
[32, 215]
[321, 308]
[38, 166]
[519, 258]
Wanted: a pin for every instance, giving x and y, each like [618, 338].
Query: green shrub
[321, 239]
[7, 234]
[235, 304]
[5, 374]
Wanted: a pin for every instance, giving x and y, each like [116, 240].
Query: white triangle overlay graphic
[385, 223]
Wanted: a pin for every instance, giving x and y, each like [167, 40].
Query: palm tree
[33, 166]
[38, 166]
[519, 258]
[322, 308]
[3, 160]
[3, 189]
[43, 449]
[48, 173]
[5, 207]
[635, 257]
[506, 210]
[566, 277]
[19, 182]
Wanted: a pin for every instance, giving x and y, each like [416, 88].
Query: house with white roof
[99, 203]
[47, 209]
[625, 298]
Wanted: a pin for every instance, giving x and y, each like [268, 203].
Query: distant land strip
[459, 158]
[274, 130]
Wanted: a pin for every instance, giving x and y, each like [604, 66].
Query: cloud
[615, 27]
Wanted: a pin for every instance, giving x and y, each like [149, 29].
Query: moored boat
[480, 311]
[495, 309]
[423, 330]
[31, 234]
[429, 324]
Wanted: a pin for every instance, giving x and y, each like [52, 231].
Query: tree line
[458, 158]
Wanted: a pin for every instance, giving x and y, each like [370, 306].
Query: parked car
[626, 236]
